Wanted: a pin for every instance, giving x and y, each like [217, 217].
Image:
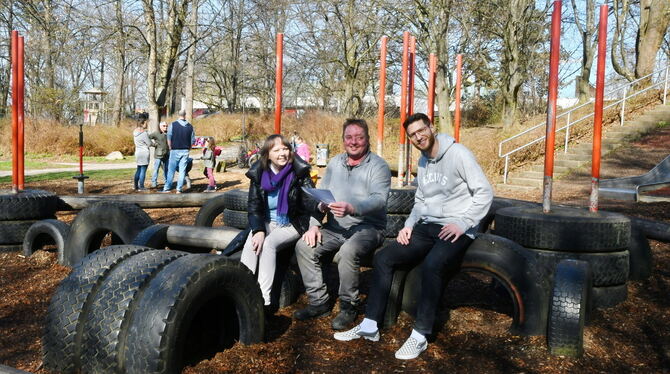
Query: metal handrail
[624, 88]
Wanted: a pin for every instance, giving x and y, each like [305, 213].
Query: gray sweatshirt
[365, 186]
[142, 144]
[452, 188]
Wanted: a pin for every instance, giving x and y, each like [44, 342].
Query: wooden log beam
[201, 237]
[149, 200]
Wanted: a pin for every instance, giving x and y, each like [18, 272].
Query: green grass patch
[48, 161]
[121, 174]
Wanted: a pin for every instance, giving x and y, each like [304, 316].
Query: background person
[451, 198]
[277, 212]
[142, 144]
[360, 182]
[302, 149]
[161, 152]
[209, 160]
[180, 137]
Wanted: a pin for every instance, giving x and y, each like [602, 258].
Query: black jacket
[299, 204]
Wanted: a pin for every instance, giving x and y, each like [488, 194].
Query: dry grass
[50, 137]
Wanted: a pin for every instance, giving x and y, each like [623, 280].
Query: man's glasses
[422, 131]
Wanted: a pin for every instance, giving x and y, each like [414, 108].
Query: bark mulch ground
[631, 337]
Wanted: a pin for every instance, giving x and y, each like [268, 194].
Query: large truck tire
[568, 308]
[514, 267]
[194, 307]
[46, 232]
[113, 305]
[400, 201]
[13, 232]
[70, 304]
[564, 229]
[27, 205]
[92, 224]
[236, 218]
[210, 210]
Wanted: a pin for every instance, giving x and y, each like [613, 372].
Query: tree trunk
[159, 71]
[587, 31]
[117, 111]
[190, 67]
[654, 20]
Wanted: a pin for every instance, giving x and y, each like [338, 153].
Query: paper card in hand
[324, 196]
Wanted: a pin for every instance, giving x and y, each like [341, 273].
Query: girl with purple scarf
[278, 212]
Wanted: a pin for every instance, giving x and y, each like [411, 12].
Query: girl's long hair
[267, 146]
[212, 142]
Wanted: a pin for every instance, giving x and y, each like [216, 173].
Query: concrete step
[558, 170]
[571, 163]
[539, 175]
[525, 181]
[517, 187]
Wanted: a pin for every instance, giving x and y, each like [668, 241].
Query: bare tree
[162, 52]
[587, 32]
[654, 21]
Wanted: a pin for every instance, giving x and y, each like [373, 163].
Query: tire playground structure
[115, 300]
[134, 309]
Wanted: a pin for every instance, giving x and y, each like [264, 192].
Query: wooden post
[382, 97]
[598, 110]
[279, 67]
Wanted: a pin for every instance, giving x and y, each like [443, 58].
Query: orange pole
[20, 133]
[410, 105]
[432, 63]
[15, 111]
[412, 73]
[598, 110]
[382, 96]
[403, 107]
[457, 110]
[278, 81]
[551, 106]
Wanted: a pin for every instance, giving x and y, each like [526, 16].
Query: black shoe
[312, 311]
[346, 317]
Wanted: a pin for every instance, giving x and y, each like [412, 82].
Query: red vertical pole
[411, 75]
[432, 67]
[598, 110]
[551, 106]
[457, 110]
[403, 108]
[278, 81]
[15, 111]
[20, 113]
[382, 96]
[410, 105]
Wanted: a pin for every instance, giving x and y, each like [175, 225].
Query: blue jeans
[178, 158]
[438, 259]
[158, 164]
[140, 173]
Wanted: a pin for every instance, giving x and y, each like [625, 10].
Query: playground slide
[651, 186]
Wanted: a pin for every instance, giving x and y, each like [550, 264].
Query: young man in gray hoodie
[452, 196]
[360, 182]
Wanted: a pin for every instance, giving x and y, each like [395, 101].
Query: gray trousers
[277, 238]
[352, 244]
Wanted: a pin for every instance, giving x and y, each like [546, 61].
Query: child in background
[209, 159]
[302, 149]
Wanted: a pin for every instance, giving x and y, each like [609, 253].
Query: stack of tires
[133, 309]
[584, 255]
[19, 211]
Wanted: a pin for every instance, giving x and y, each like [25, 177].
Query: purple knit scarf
[282, 180]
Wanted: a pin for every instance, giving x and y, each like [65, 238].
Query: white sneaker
[188, 183]
[411, 349]
[356, 333]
